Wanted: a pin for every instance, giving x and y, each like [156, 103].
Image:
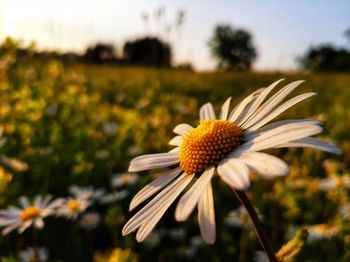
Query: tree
[233, 48]
[326, 58]
[148, 51]
[100, 53]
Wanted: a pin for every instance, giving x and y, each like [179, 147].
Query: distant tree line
[327, 57]
[232, 47]
[148, 51]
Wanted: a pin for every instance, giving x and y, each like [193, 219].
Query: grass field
[82, 124]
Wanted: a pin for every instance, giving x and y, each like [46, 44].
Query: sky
[282, 30]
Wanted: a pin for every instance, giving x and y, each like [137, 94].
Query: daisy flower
[87, 193]
[239, 218]
[335, 182]
[124, 179]
[321, 231]
[30, 254]
[113, 197]
[73, 207]
[228, 145]
[260, 256]
[28, 214]
[345, 211]
[90, 220]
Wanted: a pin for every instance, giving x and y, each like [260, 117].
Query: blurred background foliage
[78, 123]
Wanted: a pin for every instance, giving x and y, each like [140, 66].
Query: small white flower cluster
[33, 213]
[30, 254]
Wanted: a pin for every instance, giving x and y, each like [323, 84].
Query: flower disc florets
[29, 213]
[207, 144]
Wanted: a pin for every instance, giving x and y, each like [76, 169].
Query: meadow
[78, 124]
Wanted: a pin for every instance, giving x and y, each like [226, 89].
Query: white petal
[235, 173]
[157, 214]
[175, 150]
[224, 109]
[271, 103]
[189, 200]
[206, 215]
[252, 134]
[257, 102]
[182, 129]
[280, 135]
[154, 187]
[267, 165]
[39, 223]
[279, 110]
[151, 161]
[8, 229]
[152, 207]
[24, 226]
[11, 211]
[313, 143]
[23, 200]
[207, 112]
[237, 111]
[6, 222]
[37, 201]
[46, 200]
[176, 141]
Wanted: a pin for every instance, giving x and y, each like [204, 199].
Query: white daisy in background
[28, 214]
[260, 256]
[345, 211]
[73, 207]
[228, 146]
[113, 197]
[153, 239]
[124, 179]
[87, 193]
[177, 233]
[30, 254]
[134, 150]
[239, 218]
[321, 231]
[335, 182]
[196, 241]
[90, 220]
[110, 128]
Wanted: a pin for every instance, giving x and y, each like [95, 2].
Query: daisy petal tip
[209, 241]
[126, 230]
[243, 186]
[180, 215]
[132, 205]
[131, 169]
[140, 239]
[336, 151]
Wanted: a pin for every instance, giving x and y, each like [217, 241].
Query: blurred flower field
[67, 128]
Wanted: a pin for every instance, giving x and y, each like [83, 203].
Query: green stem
[265, 243]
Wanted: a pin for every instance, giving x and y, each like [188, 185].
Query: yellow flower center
[73, 205]
[339, 181]
[323, 228]
[29, 213]
[207, 144]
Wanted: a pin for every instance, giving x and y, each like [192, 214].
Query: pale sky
[282, 30]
